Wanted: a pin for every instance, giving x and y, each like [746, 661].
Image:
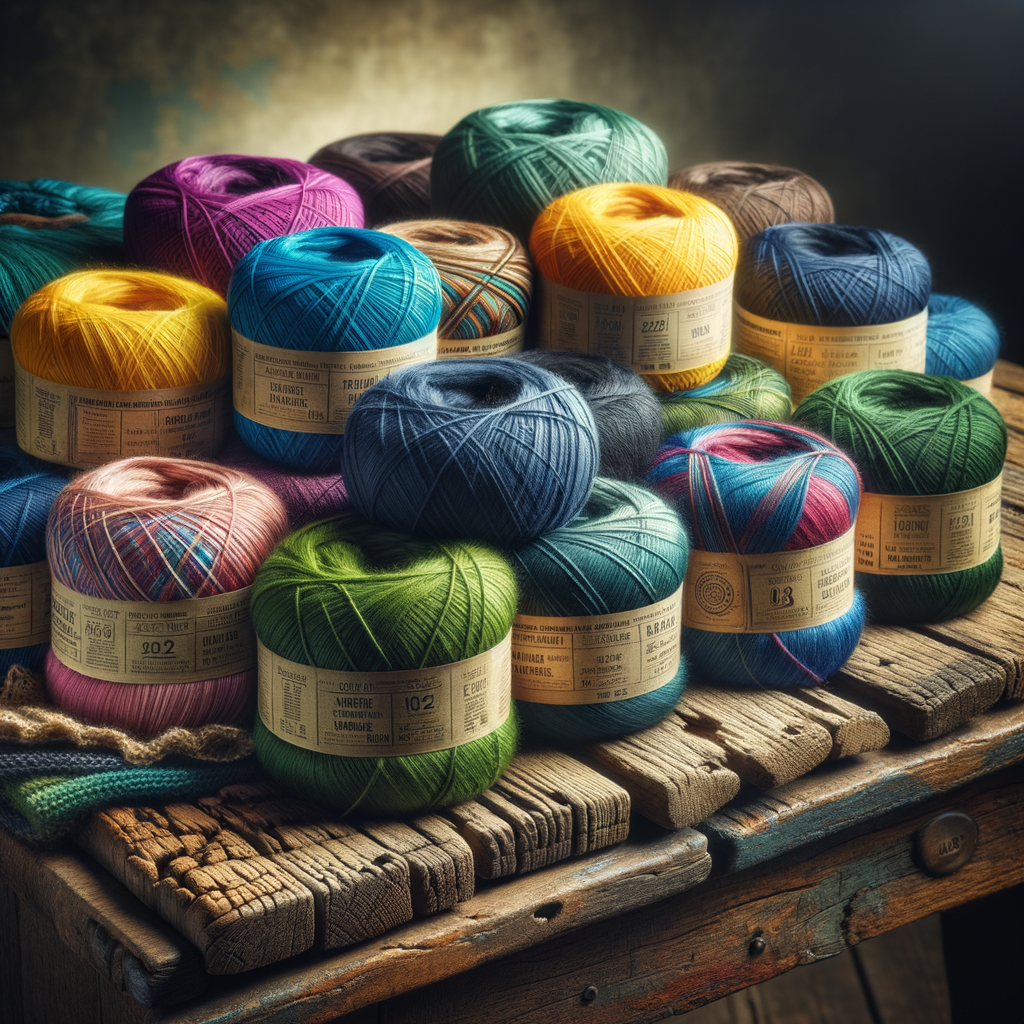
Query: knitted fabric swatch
[16, 761]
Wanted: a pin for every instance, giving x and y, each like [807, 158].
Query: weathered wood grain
[853, 729]
[491, 839]
[1009, 376]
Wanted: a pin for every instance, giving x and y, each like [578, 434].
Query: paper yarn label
[809, 356]
[6, 383]
[915, 535]
[596, 659]
[982, 383]
[24, 605]
[473, 348]
[153, 641]
[773, 593]
[86, 427]
[657, 334]
[313, 392]
[384, 714]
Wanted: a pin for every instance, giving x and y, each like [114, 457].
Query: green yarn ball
[746, 389]
[345, 594]
[913, 433]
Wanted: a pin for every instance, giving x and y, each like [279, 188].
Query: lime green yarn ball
[914, 434]
[345, 594]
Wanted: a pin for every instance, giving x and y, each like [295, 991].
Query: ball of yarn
[911, 433]
[757, 196]
[389, 170]
[199, 216]
[328, 290]
[151, 529]
[637, 240]
[758, 487]
[627, 549]
[492, 449]
[27, 490]
[486, 279]
[625, 409]
[963, 342]
[306, 496]
[503, 164]
[746, 389]
[345, 594]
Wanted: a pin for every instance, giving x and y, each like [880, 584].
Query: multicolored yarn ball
[502, 165]
[759, 487]
[914, 434]
[486, 283]
[637, 240]
[199, 216]
[625, 409]
[152, 529]
[626, 550]
[757, 196]
[328, 290]
[389, 170]
[746, 389]
[492, 449]
[27, 490]
[345, 594]
[963, 342]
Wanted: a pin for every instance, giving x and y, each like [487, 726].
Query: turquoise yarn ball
[625, 550]
[963, 342]
[503, 164]
[331, 289]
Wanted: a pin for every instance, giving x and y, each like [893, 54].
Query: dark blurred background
[909, 111]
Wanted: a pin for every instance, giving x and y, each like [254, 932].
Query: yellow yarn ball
[637, 240]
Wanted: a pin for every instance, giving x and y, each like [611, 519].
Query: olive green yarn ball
[914, 433]
[345, 594]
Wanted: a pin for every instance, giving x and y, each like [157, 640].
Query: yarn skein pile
[757, 196]
[963, 342]
[648, 242]
[199, 216]
[915, 434]
[389, 170]
[329, 290]
[494, 449]
[159, 530]
[486, 283]
[626, 550]
[346, 595]
[503, 164]
[756, 487]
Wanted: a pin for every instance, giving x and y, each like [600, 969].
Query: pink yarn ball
[199, 216]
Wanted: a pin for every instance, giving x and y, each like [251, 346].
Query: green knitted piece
[51, 804]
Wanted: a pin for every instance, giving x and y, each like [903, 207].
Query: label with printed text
[472, 348]
[384, 714]
[809, 356]
[595, 659]
[915, 535]
[153, 641]
[730, 593]
[656, 334]
[24, 605]
[86, 427]
[6, 383]
[313, 392]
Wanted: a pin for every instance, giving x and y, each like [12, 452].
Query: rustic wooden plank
[542, 826]
[491, 839]
[1009, 376]
[763, 826]
[10, 956]
[240, 909]
[499, 921]
[854, 729]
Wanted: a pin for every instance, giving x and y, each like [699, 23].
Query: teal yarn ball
[909, 434]
[345, 594]
[503, 164]
[746, 389]
[963, 342]
[627, 549]
[330, 289]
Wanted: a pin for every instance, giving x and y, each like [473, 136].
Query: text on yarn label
[24, 605]
[474, 348]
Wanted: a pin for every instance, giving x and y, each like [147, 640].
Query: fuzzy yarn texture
[963, 342]
[912, 433]
[491, 449]
[24, 762]
[346, 594]
[199, 216]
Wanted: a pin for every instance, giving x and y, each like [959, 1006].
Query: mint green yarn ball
[345, 594]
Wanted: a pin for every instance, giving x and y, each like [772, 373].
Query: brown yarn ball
[757, 196]
[389, 170]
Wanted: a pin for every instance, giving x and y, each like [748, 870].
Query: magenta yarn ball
[198, 217]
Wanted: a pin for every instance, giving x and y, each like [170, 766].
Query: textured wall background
[911, 112]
